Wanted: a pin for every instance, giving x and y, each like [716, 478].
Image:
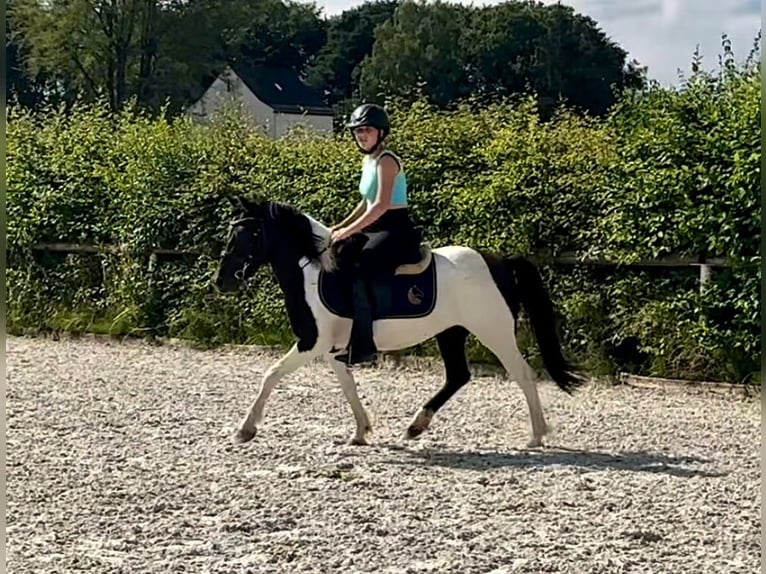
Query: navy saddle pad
[394, 296]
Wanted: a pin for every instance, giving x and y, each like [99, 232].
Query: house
[275, 97]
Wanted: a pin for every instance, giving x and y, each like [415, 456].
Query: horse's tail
[535, 299]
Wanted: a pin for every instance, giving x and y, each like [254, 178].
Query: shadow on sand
[556, 456]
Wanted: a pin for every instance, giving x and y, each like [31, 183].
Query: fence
[705, 265]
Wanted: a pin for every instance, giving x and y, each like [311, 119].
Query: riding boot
[362, 346]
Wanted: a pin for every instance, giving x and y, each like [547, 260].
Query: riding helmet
[371, 115]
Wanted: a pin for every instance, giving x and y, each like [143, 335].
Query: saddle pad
[395, 296]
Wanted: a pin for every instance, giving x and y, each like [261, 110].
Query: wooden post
[704, 276]
[152, 268]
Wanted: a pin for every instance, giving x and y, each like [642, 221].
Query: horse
[443, 293]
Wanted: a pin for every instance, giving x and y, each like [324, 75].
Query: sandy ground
[120, 460]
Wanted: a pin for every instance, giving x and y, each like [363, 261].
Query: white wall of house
[229, 88]
[319, 124]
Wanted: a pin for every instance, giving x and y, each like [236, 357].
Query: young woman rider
[382, 217]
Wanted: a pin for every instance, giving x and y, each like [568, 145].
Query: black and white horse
[445, 293]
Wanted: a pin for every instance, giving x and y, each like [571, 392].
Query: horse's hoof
[535, 443]
[413, 432]
[356, 441]
[420, 424]
[244, 435]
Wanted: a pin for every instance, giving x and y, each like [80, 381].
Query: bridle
[259, 234]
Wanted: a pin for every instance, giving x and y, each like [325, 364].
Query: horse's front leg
[347, 383]
[290, 362]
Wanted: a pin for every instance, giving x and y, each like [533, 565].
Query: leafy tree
[27, 90]
[350, 39]
[419, 46]
[160, 51]
[453, 51]
[270, 32]
[102, 48]
[154, 50]
[577, 62]
[210, 33]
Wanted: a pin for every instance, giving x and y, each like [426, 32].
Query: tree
[350, 39]
[27, 90]
[271, 32]
[578, 63]
[561, 55]
[453, 51]
[419, 46]
[98, 47]
[156, 50]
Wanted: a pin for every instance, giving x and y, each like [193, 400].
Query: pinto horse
[445, 293]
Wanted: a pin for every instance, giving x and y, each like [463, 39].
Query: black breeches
[381, 253]
[380, 249]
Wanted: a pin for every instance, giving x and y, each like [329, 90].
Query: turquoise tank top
[368, 185]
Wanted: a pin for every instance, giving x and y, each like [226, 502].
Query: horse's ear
[254, 206]
[244, 204]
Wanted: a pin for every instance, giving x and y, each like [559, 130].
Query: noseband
[259, 234]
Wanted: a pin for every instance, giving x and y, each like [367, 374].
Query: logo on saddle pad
[415, 295]
[409, 293]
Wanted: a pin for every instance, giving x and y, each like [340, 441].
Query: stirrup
[349, 358]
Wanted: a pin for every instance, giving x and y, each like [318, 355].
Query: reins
[240, 274]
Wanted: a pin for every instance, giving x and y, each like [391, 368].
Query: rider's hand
[340, 234]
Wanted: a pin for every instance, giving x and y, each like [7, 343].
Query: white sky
[660, 34]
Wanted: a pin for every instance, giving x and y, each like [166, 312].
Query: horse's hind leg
[452, 348]
[347, 383]
[292, 361]
[498, 337]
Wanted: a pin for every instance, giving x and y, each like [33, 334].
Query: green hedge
[668, 172]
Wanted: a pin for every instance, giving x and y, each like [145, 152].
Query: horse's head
[268, 232]
[248, 246]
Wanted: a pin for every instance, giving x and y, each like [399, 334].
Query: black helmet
[371, 115]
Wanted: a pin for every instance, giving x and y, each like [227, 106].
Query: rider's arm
[357, 213]
[387, 170]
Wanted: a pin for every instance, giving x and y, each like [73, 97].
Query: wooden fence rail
[567, 258]
[83, 248]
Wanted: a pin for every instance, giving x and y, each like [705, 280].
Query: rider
[382, 216]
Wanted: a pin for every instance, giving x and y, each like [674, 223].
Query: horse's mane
[300, 228]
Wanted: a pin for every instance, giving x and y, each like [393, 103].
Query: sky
[660, 34]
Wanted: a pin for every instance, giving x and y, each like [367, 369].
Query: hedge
[666, 172]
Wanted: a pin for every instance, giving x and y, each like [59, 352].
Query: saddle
[418, 259]
[419, 263]
[407, 293]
